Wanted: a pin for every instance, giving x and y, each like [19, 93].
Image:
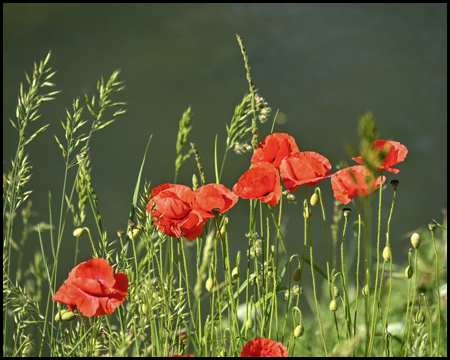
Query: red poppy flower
[261, 347]
[188, 355]
[349, 182]
[274, 148]
[261, 182]
[303, 168]
[213, 196]
[397, 153]
[93, 289]
[172, 206]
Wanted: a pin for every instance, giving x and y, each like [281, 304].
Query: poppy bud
[78, 232]
[120, 232]
[235, 273]
[386, 253]
[314, 199]
[296, 274]
[409, 272]
[131, 223]
[394, 184]
[64, 315]
[133, 233]
[223, 353]
[415, 240]
[298, 331]
[144, 309]
[366, 290]
[209, 284]
[336, 292]
[333, 305]
[249, 324]
[420, 317]
[307, 213]
[432, 225]
[346, 212]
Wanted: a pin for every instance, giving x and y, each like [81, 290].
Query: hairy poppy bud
[366, 290]
[144, 309]
[78, 232]
[298, 331]
[296, 274]
[235, 273]
[409, 272]
[386, 253]
[133, 233]
[336, 292]
[209, 284]
[333, 305]
[307, 213]
[64, 315]
[314, 199]
[249, 324]
[415, 240]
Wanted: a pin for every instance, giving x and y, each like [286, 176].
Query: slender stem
[438, 293]
[312, 270]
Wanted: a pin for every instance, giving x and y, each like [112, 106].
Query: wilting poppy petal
[261, 182]
[303, 168]
[397, 153]
[261, 347]
[274, 148]
[93, 288]
[352, 181]
[213, 196]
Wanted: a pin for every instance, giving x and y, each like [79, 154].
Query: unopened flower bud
[336, 292]
[120, 232]
[346, 212]
[64, 315]
[144, 309]
[386, 253]
[432, 225]
[314, 199]
[209, 284]
[249, 324]
[409, 272]
[235, 273]
[296, 274]
[366, 290]
[131, 223]
[333, 305]
[307, 213]
[78, 232]
[298, 331]
[415, 240]
[394, 184]
[133, 233]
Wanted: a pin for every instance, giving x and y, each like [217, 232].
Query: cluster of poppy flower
[178, 211]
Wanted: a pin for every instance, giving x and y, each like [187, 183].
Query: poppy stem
[307, 210]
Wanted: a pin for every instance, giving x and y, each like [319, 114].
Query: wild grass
[185, 299]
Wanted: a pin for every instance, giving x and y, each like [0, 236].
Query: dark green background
[323, 66]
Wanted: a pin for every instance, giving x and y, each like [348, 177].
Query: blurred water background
[322, 66]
